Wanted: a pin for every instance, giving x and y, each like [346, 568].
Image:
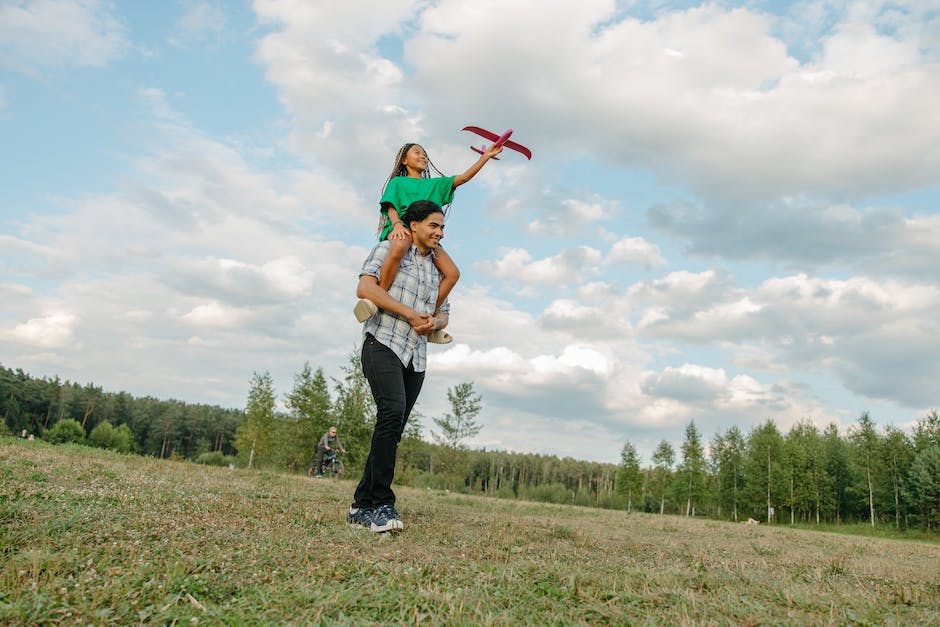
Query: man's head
[332, 432]
[426, 220]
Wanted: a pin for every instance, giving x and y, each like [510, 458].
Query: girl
[409, 181]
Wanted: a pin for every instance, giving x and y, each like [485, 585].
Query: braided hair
[400, 170]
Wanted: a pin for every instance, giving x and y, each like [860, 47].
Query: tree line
[806, 475]
[159, 428]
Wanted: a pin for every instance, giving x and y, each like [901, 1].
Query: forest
[806, 475]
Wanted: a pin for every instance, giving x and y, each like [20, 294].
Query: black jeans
[395, 389]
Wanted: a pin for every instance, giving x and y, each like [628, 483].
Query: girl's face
[415, 160]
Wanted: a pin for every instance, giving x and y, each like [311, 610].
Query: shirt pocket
[406, 262]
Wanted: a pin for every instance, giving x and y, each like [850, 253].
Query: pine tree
[628, 474]
[663, 458]
[311, 415]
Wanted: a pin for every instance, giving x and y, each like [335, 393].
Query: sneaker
[440, 337]
[385, 518]
[365, 309]
[359, 517]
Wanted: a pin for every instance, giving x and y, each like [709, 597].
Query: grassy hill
[95, 537]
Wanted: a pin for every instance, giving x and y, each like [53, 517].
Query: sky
[731, 215]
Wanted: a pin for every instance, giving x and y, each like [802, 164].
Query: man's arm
[369, 288]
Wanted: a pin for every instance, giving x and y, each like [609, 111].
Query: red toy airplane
[498, 140]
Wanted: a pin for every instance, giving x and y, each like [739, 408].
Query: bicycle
[332, 466]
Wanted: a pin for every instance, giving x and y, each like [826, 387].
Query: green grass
[88, 536]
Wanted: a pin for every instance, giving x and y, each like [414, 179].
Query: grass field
[88, 536]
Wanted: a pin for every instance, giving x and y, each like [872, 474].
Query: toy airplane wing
[499, 140]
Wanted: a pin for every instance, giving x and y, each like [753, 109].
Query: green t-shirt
[401, 191]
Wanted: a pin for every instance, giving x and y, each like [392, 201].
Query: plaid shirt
[416, 286]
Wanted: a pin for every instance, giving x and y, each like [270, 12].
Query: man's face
[429, 232]
[332, 433]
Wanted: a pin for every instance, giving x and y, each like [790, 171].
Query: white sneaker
[365, 309]
[440, 337]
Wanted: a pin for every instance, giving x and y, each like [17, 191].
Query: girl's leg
[450, 274]
[396, 253]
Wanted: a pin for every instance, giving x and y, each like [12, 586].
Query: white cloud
[571, 215]
[51, 330]
[874, 336]
[214, 315]
[201, 267]
[342, 93]
[858, 50]
[636, 250]
[596, 323]
[39, 34]
[750, 119]
[569, 266]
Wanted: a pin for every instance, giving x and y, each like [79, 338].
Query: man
[328, 442]
[394, 356]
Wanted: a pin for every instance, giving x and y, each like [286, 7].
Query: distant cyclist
[328, 443]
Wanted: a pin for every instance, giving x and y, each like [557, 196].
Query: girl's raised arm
[491, 152]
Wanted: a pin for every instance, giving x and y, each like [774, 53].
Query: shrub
[215, 458]
[122, 440]
[115, 438]
[548, 493]
[505, 492]
[101, 435]
[65, 431]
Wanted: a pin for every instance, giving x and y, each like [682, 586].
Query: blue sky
[731, 213]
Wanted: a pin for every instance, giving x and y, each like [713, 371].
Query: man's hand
[423, 324]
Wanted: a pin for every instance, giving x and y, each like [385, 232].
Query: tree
[460, 423]
[311, 415]
[456, 427]
[764, 450]
[629, 480]
[927, 431]
[413, 450]
[924, 485]
[727, 451]
[354, 412]
[663, 458]
[898, 453]
[865, 443]
[837, 476]
[803, 461]
[254, 436]
[692, 468]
